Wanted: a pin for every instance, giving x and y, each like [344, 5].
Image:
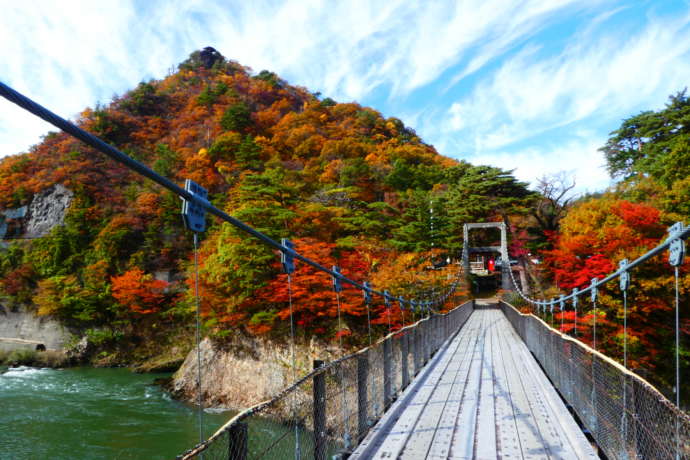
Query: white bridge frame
[506, 284]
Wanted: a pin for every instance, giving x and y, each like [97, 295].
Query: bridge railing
[326, 413]
[627, 417]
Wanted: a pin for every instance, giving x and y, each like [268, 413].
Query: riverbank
[33, 358]
[166, 360]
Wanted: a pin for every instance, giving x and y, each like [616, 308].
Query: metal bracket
[286, 258]
[367, 293]
[625, 276]
[337, 285]
[576, 291]
[401, 302]
[562, 302]
[593, 292]
[193, 214]
[676, 249]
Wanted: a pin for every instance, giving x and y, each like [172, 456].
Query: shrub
[514, 299]
[236, 117]
[22, 357]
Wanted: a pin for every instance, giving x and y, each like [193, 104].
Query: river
[86, 413]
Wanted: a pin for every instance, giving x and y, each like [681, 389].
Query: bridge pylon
[506, 284]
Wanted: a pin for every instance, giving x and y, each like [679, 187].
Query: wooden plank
[463, 401]
[396, 439]
[486, 397]
[532, 444]
[377, 435]
[524, 364]
[462, 443]
[420, 439]
[464, 389]
[507, 435]
[484, 445]
[571, 441]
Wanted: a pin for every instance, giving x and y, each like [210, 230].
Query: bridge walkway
[482, 397]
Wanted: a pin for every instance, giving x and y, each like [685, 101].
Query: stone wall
[25, 325]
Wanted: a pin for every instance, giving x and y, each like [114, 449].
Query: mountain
[111, 259]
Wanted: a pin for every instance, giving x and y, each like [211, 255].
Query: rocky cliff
[244, 373]
[47, 209]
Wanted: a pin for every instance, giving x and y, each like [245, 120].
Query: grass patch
[26, 357]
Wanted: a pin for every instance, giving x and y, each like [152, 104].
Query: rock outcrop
[244, 373]
[47, 210]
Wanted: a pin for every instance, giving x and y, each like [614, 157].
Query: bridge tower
[506, 285]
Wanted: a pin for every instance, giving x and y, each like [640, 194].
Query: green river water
[86, 413]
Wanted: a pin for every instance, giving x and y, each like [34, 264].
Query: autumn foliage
[350, 187]
[594, 236]
[138, 292]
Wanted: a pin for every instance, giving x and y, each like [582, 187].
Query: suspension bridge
[480, 381]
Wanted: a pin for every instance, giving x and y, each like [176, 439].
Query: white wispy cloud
[345, 49]
[600, 76]
[578, 157]
[398, 52]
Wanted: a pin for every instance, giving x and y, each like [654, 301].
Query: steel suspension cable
[625, 329]
[198, 335]
[298, 452]
[624, 417]
[677, 339]
[680, 234]
[677, 362]
[594, 346]
[367, 302]
[346, 437]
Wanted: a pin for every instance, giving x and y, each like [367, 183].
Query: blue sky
[534, 86]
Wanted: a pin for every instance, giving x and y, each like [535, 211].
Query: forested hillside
[347, 185]
[650, 154]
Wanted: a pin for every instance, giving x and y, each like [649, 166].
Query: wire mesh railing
[326, 413]
[627, 417]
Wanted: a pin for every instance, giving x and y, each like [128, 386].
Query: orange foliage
[138, 292]
[315, 304]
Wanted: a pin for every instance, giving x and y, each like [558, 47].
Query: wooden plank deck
[482, 397]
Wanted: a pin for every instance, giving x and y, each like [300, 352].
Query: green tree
[237, 117]
[266, 201]
[248, 154]
[482, 193]
[166, 161]
[407, 175]
[422, 229]
[653, 143]
[269, 77]
[371, 220]
[210, 94]
[144, 100]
